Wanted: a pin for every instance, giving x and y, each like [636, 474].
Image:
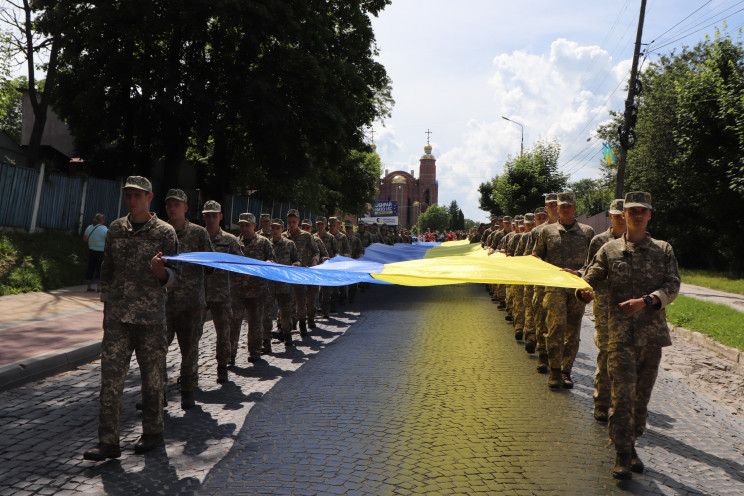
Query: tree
[435, 218]
[690, 133]
[267, 96]
[486, 200]
[456, 216]
[528, 178]
[26, 41]
[11, 102]
[592, 196]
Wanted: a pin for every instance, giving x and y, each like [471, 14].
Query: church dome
[398, 179]
[427, 153]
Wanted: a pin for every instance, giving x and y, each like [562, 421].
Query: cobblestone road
[423, 392]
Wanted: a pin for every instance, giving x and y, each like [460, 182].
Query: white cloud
[561, 94]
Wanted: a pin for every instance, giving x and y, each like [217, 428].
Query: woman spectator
[95, 235]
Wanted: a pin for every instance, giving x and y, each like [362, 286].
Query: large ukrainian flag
[419, 264]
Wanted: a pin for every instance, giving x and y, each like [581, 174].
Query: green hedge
[41, 262]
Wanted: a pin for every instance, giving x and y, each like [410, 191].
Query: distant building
[413, 195]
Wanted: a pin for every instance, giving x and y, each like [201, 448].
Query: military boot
[601, 413]
[311, 323]
[636, 465]
[567, 382]
[518, 334]
[502, 305]
[530, 346]
[148, 442]
[555, 380]
[508, 318]
[542, 363]
[221, 374]
[266, 349]
[187, 397]
[621, 470]
[102, 451]
[303, 328]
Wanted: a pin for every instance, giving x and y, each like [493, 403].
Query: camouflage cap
[541, 211]
[529, 218]
[501, 218]
[551, 197]
[277, 222]
[566, 198]
[507, 219]
[494, 217]
[637, 199]
[519, 218]
[211, 206]
[616, 207]
[321, 220]
[348, 224]
[332, 221]
[178, 194]
[266, 217]
[138, 182]
[293, 212]
[384, 226]
[306, 222]
[247, 217]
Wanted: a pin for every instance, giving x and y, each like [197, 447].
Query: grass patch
[719, 322]
[713, 280]
[41, 262]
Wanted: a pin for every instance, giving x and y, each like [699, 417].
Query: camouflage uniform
[304, 307]
[332, 248]
[340, 292]
[186, 305]
[251, 293]
[635, 341]
[219, 301]
[564, 247]
[601, 309]
[519, 290]
[366, 238]
[357, 250]
[285, 253]
[505, 291]
[134, 320]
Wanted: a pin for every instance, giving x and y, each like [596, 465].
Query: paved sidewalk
[735, 301]
[412, 391]
[48, 332]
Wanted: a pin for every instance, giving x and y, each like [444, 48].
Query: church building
[413, 195]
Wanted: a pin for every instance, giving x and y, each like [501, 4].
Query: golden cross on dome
[428, 135]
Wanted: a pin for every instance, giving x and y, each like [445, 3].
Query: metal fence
[17, 191]
[31, 199]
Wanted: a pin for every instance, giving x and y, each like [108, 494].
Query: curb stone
[48, 364]
[733, 355]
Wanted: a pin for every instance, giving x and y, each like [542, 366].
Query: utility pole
[627, 135]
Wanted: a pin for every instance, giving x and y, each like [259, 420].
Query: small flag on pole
[609, 155]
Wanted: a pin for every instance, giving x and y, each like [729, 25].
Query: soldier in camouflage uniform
[285, 253]
[135, 280]
[540, 314]
[564, 244]
[518, 289]
[530, 338]
[642, 279]
[507, 246]
[251, 290]
[265, 226]
[186, 302]
[309, 255]
[267, 309]
[357, 250]
[494, 247]
[221, 298]
[364, 235]
[339, 293]
[602, 389]
[384, 236]
[329, 241]
[307, 226]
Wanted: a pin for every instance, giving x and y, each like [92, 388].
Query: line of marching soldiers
[148, 300]
[633, 277]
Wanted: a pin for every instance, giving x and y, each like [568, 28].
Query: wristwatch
[648, 300]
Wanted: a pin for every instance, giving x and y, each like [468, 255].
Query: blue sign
[386, 209]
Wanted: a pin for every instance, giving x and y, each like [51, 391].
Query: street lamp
[521, 149]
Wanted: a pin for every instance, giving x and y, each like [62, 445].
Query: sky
[555, 67]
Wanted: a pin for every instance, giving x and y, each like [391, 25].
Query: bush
[41, 262]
